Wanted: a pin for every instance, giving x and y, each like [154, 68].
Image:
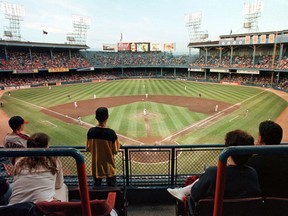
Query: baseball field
[176, 112]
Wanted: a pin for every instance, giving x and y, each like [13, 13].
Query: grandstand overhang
[28, 44]
[246, 39]
[203, 44]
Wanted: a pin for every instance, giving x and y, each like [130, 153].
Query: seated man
[271, 168]
[241, 180]
[5, 191]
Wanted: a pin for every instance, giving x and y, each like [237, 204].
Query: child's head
[102, 114]
[38, 140]
[16, 123]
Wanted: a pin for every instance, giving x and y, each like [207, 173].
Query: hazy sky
[140, 20]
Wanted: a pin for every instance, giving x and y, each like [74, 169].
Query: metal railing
[221, 167]
[67, 152]
[143, 166]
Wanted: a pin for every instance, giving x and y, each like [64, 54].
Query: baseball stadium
[170, 111]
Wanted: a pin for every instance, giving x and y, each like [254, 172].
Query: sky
[140, 20]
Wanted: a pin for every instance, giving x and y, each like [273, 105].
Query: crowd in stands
[23, 60]
[263, 79]
[54, 78]
[135, 59]
[260, 62]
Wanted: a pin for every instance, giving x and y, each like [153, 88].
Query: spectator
[16, 139]
[272, 168]
[36, 178]
[103, 143]
[241, 180]
[5, 191]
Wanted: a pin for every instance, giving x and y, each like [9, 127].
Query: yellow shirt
[103, 144]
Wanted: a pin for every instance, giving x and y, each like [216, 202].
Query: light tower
[80, 26]
[14, 13]
[193, 24]
[252, 11]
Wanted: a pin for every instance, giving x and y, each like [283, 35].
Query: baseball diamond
[173, 115]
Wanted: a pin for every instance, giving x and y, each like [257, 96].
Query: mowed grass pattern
[168, 119]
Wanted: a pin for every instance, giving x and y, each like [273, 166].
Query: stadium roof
[29, 44]
[233, 37]
[253, 33]
[204, 43]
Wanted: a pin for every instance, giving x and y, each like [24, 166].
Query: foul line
[233, 118]
[66, 116]
[210, 118]
[202, 122]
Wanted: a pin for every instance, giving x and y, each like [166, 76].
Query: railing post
[219, 191]
[127, 166]
[81, 170]
[172, 165]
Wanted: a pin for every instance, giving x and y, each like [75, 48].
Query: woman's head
[239, 138]
[38, 140]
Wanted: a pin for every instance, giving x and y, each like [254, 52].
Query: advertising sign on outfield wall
[169, 46]
[55, 70]
[271, 38]
[219, 70]
[25, 71]
[255, 39]
[133, 47]
[154, 47]
[109, 47]
[196, 69]
[123, 46]
[247, 39]
[142, 47]
[229, 83]
[263, 38]
[248, 72]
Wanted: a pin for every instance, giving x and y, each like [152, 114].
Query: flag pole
[121, 57]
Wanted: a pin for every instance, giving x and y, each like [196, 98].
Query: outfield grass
[261, 105]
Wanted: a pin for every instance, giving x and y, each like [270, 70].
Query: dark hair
[270, 132]
[38, 140]
[239, 138]
[15, 122]
[102, 114]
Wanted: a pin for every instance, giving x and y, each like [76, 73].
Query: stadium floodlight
[81, 20]
[252, 11]
[193, 24]
[14, 13]
[80, 25]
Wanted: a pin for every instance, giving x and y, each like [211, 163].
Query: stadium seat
[236, 207]
[275, 206]
[101, 193]
[98, 207]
